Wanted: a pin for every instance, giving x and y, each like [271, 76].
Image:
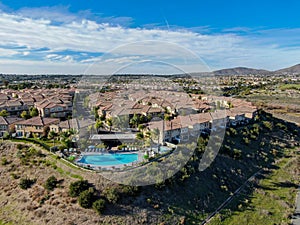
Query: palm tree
[51, 134]
[148, 134]
[98, 124]
[109, 123]
[141, 127]
[140, 136]
[135, 120]
[63, 136]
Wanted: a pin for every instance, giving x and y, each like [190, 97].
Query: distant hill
[240, 71]
[292, 69]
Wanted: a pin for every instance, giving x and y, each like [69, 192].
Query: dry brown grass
[36, 205]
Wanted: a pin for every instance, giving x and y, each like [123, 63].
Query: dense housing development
[32, 111]
[175, 114]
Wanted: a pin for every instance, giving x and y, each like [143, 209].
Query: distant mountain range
[248, 71]
[292, 69]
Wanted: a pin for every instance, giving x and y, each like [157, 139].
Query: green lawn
[52, 143]
[5, 223]
[290, 86]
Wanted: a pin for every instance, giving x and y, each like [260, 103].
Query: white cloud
[61, 14]
[128, 59]
[54, 13]
[40, 67]
[51, 56]
[7, 52]
[34, 29]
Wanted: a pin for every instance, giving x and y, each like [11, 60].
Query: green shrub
[77, 187]
[6, 135]
[26, 183]
[4, 161]
[19, 146]
[130, 190]
[122, 146]
[253, 137]
[246, 141]
[51, 183]
[233, 132]
[15, 176]
[237, 153]
[281, 126]
[255, 129]
[99, 206]
[226, 149]
[111, 195]
[45, 198]
[268, 125]
[86, 198]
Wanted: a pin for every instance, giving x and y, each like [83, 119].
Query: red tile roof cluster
[38, 121]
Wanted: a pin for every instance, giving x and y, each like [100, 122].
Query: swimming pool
[108, 159]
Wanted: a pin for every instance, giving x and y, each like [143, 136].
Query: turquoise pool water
[109, 159]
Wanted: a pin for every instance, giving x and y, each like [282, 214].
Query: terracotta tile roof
[3, 121]
[193, 119]
[243, 110]
[168, 125]
[221, 114]
[4, 96]
[13, 120]
[10, 103]
[154, 110]
[48, 104]
[38, 121]
[27, 99]
[69, 124]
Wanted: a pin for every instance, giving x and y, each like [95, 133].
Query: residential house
[196, 122]
[65, 126]
[53, 109]
[35, 125]
[170, 130]
[13, 107]
[235, 116]
[241, 114]
[219, 119]
[7, 124]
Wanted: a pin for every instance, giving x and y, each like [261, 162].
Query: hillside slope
[240, 71]
[186, 198]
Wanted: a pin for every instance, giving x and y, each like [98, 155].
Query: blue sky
[75, 37]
